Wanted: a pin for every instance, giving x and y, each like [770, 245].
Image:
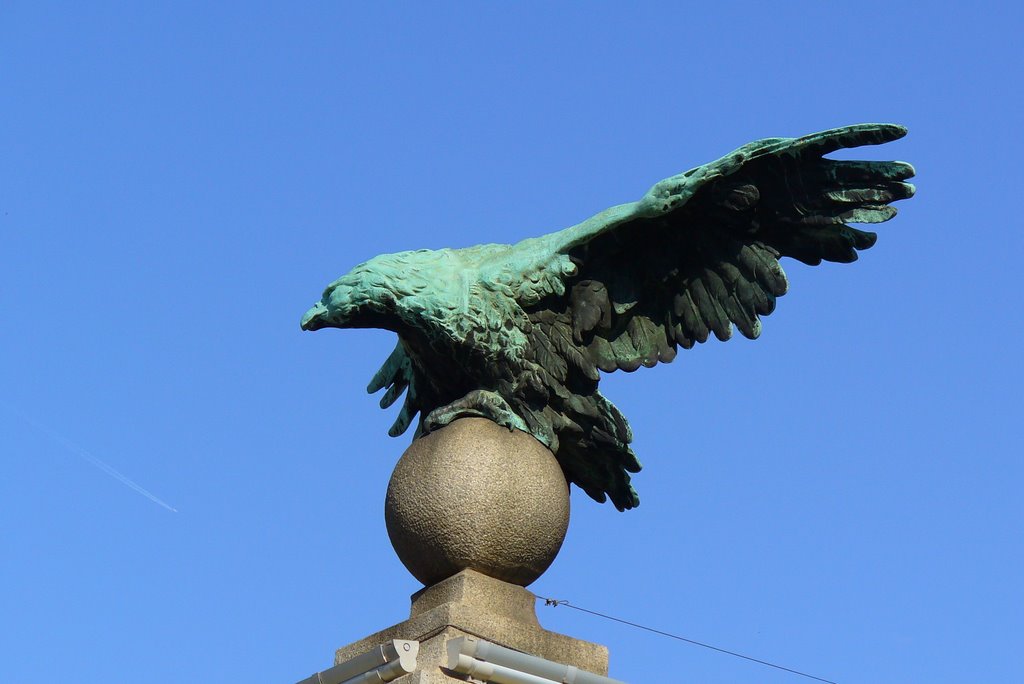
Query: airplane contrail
[105, 467]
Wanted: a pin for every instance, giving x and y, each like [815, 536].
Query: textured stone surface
[477, 495]
[477, 605]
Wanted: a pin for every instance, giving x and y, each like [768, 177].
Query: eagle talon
[478, 404]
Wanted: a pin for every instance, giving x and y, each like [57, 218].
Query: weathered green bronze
[519, 333]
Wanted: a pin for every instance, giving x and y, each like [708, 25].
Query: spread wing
[700, 252]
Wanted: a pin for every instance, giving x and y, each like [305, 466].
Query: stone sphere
[474, 495]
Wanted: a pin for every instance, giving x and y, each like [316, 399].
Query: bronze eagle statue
[520, 333]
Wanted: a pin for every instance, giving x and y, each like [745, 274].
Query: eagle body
[520, 333]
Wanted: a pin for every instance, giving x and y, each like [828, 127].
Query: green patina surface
[520, 333]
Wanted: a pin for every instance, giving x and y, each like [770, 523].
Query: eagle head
[363, 298]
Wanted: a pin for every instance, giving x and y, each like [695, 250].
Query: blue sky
[178, 181]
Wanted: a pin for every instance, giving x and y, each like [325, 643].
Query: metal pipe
[491, 672]
[385, 673]
[547, 670]
[398, 655]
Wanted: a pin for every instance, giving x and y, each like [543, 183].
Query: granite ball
[475, 495]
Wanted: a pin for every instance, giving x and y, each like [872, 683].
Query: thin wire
[558, 602]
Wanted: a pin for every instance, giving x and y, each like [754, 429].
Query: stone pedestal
[473, 604]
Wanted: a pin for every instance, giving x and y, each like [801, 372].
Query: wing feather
[695, 325]
[398, 375]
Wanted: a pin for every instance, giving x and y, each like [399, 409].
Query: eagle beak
[314, 318]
